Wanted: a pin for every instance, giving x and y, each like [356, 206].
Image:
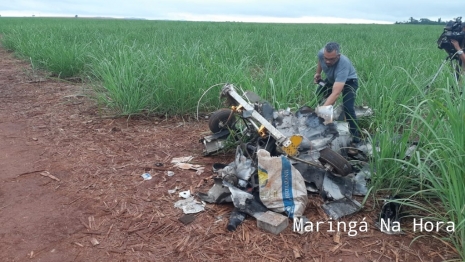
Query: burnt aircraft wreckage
[283, 155]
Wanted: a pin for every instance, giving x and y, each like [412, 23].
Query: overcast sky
[279, 11]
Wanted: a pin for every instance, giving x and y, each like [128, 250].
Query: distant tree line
[423, 21]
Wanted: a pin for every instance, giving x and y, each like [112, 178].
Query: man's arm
[337, 89]
[461, 54]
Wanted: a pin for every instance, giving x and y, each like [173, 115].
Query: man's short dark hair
[331, 46]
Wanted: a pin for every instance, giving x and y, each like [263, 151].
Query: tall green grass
[183, 59]
[432, 181]
[60, 54]
[162, 67]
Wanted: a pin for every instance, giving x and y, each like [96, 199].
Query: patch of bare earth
[71, 190]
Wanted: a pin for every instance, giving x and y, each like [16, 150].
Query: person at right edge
[460, 54]
[341, 77]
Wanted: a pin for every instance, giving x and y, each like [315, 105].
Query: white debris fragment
[185, 194]
[181, 159]
[186, 166]
[94, 241]
[200, 170]
[146, 176]
[190, 205]
[410, 151]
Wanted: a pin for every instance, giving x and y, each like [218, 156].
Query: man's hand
[316, 78]
[455, 43]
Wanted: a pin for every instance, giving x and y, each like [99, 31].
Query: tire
[221, 119]
[341, 166]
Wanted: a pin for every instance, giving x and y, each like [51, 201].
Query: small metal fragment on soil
[185, 194]
[187, 219]
[94, 241]
[146, 176]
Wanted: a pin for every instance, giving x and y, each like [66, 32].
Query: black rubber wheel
[341, 166]
[222, 119]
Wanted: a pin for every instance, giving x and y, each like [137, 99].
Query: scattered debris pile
[282, 156]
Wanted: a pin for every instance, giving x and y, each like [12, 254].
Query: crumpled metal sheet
[341, 207]
[243, 165]
[336, 187]
[246, 202]
[218, 194]
[361, 181]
